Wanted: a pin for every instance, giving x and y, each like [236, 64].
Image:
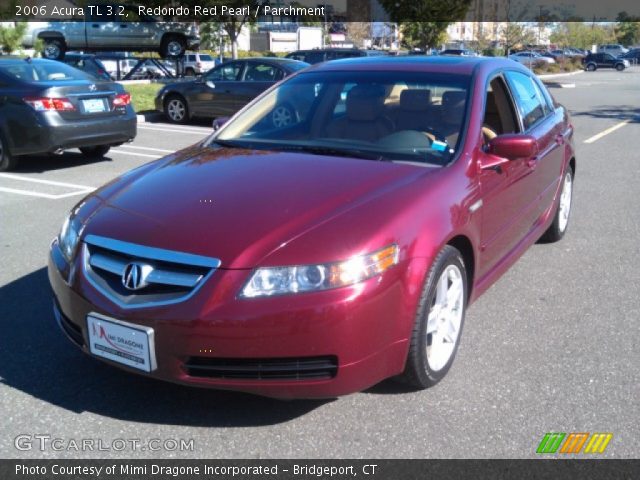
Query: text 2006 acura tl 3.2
[321, 257]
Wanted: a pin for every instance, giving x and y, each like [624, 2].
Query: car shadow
[47, 163]
[38, 360]
[616, 112]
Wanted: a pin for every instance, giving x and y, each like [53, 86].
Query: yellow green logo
[573, 443]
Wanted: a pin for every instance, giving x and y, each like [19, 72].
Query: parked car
[461, 52]
[530, 58]
[198, 63]
[333, 252]
[593, 61]
[225, 89]
[633, 55]
[614, 49]
[102, 29]
[48, 107]
[326, 54]
[89, 64]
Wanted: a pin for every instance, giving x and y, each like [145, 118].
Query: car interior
[499, 116]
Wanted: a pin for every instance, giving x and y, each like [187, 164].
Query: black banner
[307, 11]
[318, 469]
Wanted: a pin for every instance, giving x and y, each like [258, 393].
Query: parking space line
[49, 196]
[175, 126]
[161, 150]
[609, 130]
[138, 154]
[11, 176]
[192, 132]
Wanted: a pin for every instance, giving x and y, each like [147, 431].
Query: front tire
[7, 161]
[439, 321]
[173, 47]
[97, 151]
[620, 67]
[558, 227]
[591, 67]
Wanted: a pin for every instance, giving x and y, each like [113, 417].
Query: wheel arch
[463, 244]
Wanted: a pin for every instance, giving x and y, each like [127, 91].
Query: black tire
[173, 46]
[54, 49]
[591, 67]
[173, 105]
[7, 161]
[559, 226]
[620, 67]
[418, 373]
[97, 151]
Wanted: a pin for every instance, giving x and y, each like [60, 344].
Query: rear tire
[176, 109]
[439, 321]
[620, 67]
[7, 161]
[97, 151]
[558, 227]
[54, 49]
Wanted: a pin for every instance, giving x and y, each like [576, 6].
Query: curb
[556, 75]
[148, 117]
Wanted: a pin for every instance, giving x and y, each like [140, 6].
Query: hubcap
[174, 48]
[565, 202]
[281, 117]
[176, 110]
[52, 51]
[445, 317]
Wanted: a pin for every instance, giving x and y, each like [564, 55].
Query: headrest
[364, 102]
[453, 107]
[415, 100]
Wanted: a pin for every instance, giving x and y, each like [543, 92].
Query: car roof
[459, 65]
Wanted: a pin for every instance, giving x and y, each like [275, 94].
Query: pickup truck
[139, 32]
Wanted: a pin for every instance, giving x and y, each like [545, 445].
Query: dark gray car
[225, 89]
[48, 106]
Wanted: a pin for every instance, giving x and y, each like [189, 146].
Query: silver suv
[613, 48]
[198, 63]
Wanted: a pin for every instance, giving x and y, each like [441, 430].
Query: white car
[198, 63]
[530, 58]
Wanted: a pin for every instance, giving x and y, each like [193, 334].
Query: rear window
[42, 72]
[206, 58]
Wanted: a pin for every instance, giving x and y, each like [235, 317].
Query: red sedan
[318, 257]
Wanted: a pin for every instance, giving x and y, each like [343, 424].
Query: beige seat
[364, 119]
[452, 114]
[416, 111]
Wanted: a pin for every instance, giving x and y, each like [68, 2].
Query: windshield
[42, 72]
[397, 116]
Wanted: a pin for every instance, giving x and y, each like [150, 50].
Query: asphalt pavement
[552, 347]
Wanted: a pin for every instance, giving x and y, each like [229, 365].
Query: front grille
[309, 368]
[163, 276]
[73, 331]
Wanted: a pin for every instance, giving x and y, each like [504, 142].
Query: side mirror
[219, 122]
[513, 146]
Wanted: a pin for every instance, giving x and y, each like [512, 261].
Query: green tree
[582, 35]
[627, 29]
[515, 34]
[11, 37]
[423, 35]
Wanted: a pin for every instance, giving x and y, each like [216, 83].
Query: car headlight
[310, 278]
[69, 236]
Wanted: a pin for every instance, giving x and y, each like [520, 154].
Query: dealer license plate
[121, 342]
[94, 105]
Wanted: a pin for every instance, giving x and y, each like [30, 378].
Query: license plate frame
[122, 342]
[94, 105]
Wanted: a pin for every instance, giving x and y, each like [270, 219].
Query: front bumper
[48, 132]
[365, 328]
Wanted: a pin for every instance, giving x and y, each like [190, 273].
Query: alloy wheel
[174, 47]
[282, 117]
[445, 318]
[52, 51]
[176, 110]
[565, 202]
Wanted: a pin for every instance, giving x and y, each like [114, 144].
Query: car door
[212, 95]
[135, 31]
[540, 119]
[103, 28]
[258, 76]
[508, 193]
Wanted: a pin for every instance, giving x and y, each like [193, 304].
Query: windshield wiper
[333, 151]
[225, 144]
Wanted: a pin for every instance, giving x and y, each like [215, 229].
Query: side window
[315, 57]
[499, 114]
[227, 72]
[530, 104]
[261, 72]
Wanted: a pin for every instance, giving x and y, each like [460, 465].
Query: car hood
[239, 205]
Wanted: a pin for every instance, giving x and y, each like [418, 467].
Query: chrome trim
[153, 364]
[150, 253]
[475, 206]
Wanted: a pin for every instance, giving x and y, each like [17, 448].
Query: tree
[424, 34]
[358, 32]
[516, 33]
[11, 37]
[627, 29]
[582, 35]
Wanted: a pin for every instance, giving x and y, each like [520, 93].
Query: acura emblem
[93, 88]
[135, 276]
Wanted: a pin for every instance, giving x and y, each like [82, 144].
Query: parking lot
[552, 347]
